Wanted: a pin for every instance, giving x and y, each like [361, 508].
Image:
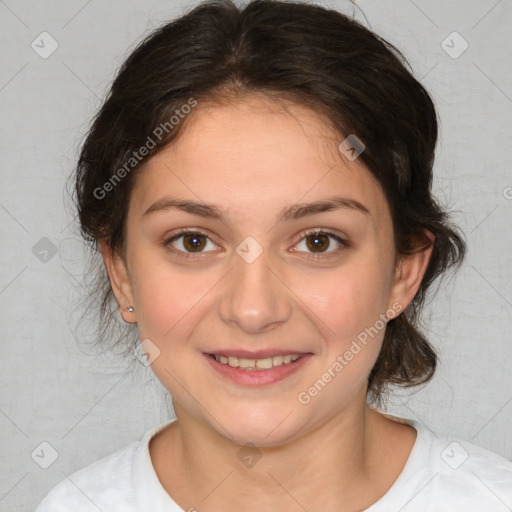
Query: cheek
[168, 298]
[348, 300]
[346, 306]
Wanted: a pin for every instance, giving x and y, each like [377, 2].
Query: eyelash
[167, 243]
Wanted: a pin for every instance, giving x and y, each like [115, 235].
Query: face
[252, 235]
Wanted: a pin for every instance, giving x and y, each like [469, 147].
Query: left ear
[410, 269]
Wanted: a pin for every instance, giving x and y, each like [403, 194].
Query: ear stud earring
[130, 308]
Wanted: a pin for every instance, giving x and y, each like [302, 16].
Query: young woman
[258, 183]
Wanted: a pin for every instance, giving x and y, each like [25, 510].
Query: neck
[337, 466]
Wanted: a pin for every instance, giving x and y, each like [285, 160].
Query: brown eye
[189, 242]
[320, 242]
[194, 242]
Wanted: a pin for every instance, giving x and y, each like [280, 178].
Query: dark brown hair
[315, 57]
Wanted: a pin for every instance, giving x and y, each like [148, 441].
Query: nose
[253, 297]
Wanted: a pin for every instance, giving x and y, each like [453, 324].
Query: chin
[258, 428]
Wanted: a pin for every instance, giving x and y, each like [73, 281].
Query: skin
[252, 159]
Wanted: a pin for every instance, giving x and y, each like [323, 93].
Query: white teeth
[277, 360]
[246, 363]
[264, 363]
[256, 364]
[233, 361]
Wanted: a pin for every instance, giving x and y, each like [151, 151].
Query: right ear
[119, 280]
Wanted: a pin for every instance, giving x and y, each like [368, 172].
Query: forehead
[257, 152]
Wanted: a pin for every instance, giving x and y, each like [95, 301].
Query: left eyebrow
[294, 212]
[300, 210]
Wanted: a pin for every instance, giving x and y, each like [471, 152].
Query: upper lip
[260, 354]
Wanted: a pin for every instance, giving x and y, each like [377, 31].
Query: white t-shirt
[441, 475]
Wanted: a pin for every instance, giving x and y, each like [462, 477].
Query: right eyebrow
[201, 209]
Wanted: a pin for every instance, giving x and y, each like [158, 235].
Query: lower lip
[258, 377]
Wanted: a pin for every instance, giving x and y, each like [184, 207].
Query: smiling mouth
[256, 364]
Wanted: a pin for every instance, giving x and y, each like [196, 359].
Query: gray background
[85, 406]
